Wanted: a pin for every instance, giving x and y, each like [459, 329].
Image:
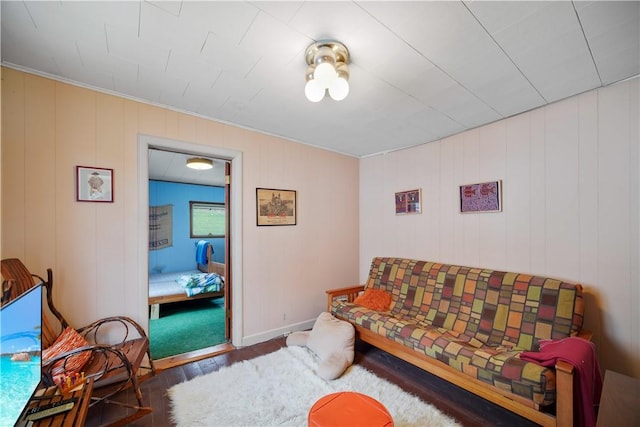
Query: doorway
[223, 251]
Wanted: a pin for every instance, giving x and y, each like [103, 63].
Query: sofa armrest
[564, 393]
[586, 334]
[347, 294]
[565, 373]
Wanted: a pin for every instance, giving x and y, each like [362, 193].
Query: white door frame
[235, 157]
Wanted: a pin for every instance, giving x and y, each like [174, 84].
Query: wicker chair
[114, 366]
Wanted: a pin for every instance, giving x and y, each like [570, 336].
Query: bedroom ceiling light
[327, 71]
[199, 163]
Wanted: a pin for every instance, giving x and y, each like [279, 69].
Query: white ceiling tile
[281, 10]
[228, 20]
[496, 16]
[135, 50]
[125, 15]
[613, 33]
[191, 66]
[28, 49]
[269, 37]
[109, 64]
[209, 100]
[419, 71]
[510, 95]
[400, 66]
[83, 20]
[345, 22]
[451, 38]
[546, 43]
[20, 16]
[437, 123]
[216, 51]
[172, 7]
[234, 85]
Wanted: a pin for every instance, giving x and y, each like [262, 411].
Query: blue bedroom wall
[182, 255]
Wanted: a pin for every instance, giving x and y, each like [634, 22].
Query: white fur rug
[279, 388]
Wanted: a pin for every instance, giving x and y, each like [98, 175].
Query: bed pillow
[68, 340]
[374, 299]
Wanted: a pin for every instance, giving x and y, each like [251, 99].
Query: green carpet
[187, 326]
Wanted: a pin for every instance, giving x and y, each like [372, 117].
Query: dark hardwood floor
[465, 407]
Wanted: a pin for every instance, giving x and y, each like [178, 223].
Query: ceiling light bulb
[325, 74]
[199, 163]
[339, 89]
[314, 91]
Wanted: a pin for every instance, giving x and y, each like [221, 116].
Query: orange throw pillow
[374, 299]
[68, 340]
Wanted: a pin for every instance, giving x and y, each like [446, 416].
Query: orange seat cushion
[351, 409]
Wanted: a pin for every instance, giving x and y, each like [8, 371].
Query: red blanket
[587, 384]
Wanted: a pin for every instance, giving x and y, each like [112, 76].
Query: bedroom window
[207, 219]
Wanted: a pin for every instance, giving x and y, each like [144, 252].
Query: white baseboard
[274, 333]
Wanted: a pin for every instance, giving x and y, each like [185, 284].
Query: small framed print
[275, 207]
[94, 184]
[409, 202]
[481, 197]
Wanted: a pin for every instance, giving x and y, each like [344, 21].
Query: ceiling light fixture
[327, 71]
[199, 163]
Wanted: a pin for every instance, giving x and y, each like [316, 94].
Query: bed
[178, 286]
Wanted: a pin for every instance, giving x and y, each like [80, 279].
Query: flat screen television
[20, 352]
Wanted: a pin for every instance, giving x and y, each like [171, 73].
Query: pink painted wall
[49, 127]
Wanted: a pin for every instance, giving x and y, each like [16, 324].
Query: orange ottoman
[348, 408]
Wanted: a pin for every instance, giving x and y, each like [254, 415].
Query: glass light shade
[314, 91]
[324, 74]
[199, 163]
[339, 89]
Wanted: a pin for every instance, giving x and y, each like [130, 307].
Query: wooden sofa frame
[505, 399]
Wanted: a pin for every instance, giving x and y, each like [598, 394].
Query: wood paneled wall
[49, 127]
[571, 194]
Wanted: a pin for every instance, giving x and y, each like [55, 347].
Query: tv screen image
[20, 350]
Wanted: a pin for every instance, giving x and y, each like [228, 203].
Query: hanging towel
[201, 252]
[587, 381]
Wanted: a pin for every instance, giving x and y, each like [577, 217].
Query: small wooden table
[620, 401]
[71, 418]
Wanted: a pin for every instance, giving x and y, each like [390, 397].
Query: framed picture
[409, 202]
[275, 207]
[481, 197]
[94, 184]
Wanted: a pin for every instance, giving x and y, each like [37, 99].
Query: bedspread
[195, 284]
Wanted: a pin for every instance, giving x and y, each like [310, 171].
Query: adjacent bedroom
[186, 255]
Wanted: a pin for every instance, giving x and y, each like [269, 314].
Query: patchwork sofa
[468, 326]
